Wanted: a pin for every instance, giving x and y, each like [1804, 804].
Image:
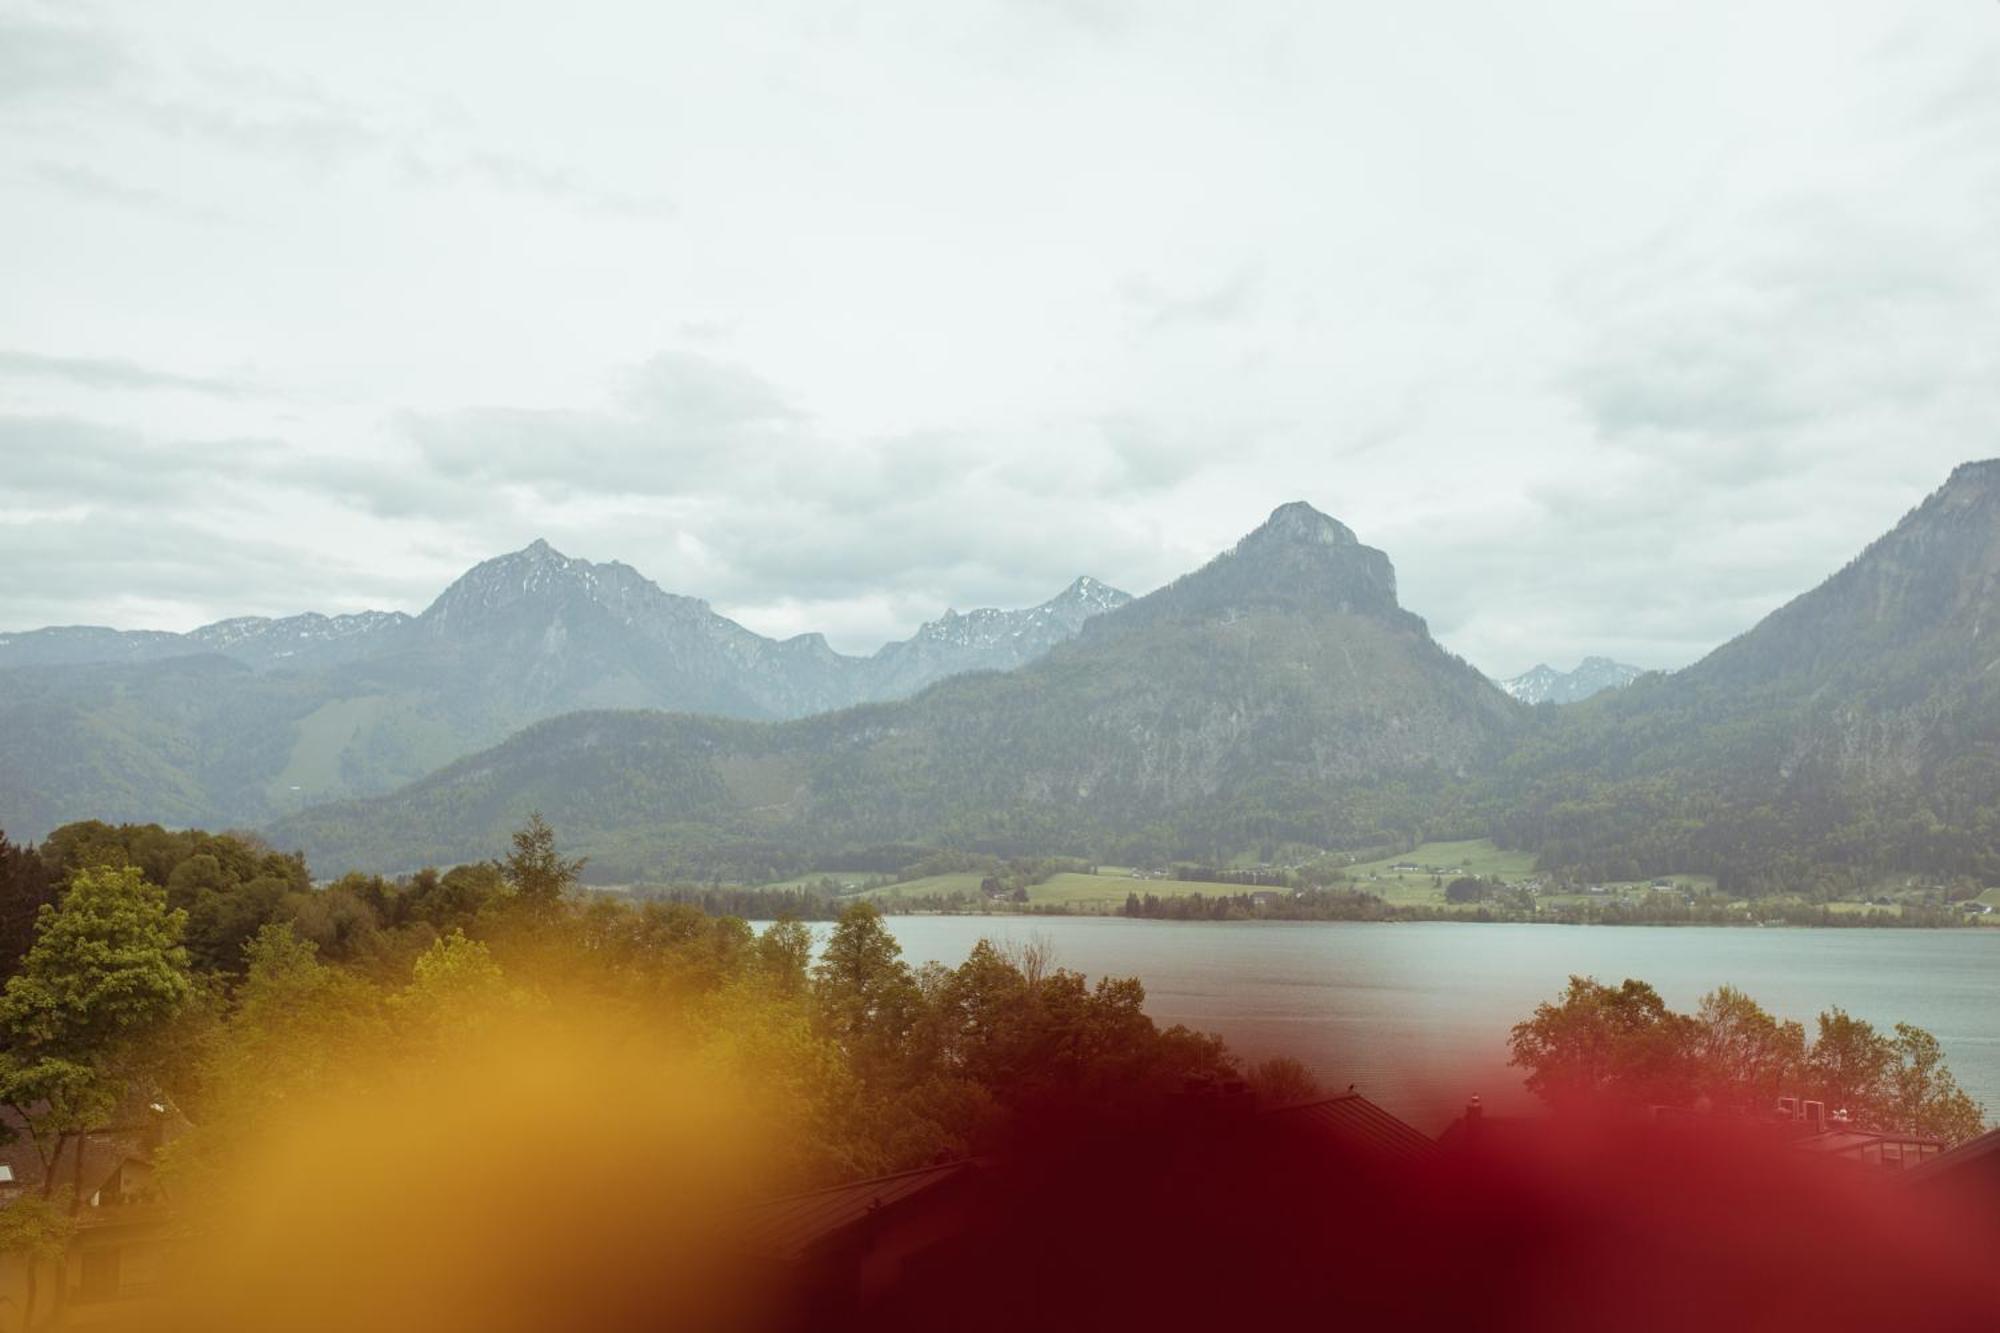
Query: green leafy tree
[784, 952]
[1746, 1058]
[863, 992]
[1925, 1097]
[105, 974]
[1465, 889]
[1597, 1040]
[1849, 1064]
[456, 990]
[1733, 1056]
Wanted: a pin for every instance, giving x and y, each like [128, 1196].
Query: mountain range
[1278, 694]
[1543, 684]
[1278, 699]
[246, 719]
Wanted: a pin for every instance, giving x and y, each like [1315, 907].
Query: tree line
[1623, 1043]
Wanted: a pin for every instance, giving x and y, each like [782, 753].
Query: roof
[790, 1226]
[1355, 1122]
[1840, 1141]
[102, 1151]
[1970, 1153]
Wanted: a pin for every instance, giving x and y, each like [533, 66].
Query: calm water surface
[1416, 1014]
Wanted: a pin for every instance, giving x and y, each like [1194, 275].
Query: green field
[1475, 857]
[1103, 891]
[945, 886]
[1441, 861]
[848, 880]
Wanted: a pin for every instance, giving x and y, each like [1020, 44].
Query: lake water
[1416, 1014]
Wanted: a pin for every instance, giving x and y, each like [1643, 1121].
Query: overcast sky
[1615, 325]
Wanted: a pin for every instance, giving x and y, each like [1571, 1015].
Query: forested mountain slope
[1278, 693]
[247, 719]
[1858, 726]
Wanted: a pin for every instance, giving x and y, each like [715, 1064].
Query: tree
[1736, 1057]
[456, 990]
[539, 876]
[1848, 1065]
[106, 972]
[1925, 1098]
[1747, 1058]
[1281, 1080]
[1621, 1041]
[1465, 889]
[784, 951]
[25, 887]
[863, 992]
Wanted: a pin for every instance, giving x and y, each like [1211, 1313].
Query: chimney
[1815, 1116]
[1473, 1110]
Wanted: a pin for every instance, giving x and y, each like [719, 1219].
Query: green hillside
[1276, 696]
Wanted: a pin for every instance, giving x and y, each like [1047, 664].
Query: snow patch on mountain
[1543, 684]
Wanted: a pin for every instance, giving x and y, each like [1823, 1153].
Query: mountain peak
[1298, 523]
[1543, 684]
[1088, 595]
[1298, 559]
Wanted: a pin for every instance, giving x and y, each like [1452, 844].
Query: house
[1966, 1179]
[1355, 1125]
[125, 1237]
[849, 1251]
[849, 1244]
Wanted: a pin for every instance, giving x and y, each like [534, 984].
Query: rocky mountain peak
[1089, 595]
[1299, 524]
[537, 574]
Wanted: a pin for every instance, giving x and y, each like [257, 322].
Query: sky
[1616, 325]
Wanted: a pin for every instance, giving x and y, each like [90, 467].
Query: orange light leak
[562, 1177]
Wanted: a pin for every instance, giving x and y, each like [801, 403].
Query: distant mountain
[1543, 684]
[988, 640]
[245, 719]
[1854, 731]
[257, 641]
[1280, 692]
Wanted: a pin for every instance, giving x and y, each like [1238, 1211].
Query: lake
[1416, 1014]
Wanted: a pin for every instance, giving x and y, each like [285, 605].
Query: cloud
[1225, 301]
[518, 175]
[109, 373]
[80, 182]
[50, 61]
[168, 572]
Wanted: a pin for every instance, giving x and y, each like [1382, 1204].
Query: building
[851, 1250]
[125, 1237]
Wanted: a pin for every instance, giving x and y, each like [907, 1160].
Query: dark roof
[1972, 1152]
[103, 1151]
[1355, 1122]
[1841, 1141]
[790, 1226]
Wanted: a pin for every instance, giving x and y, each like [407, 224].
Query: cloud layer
[1615, 329]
